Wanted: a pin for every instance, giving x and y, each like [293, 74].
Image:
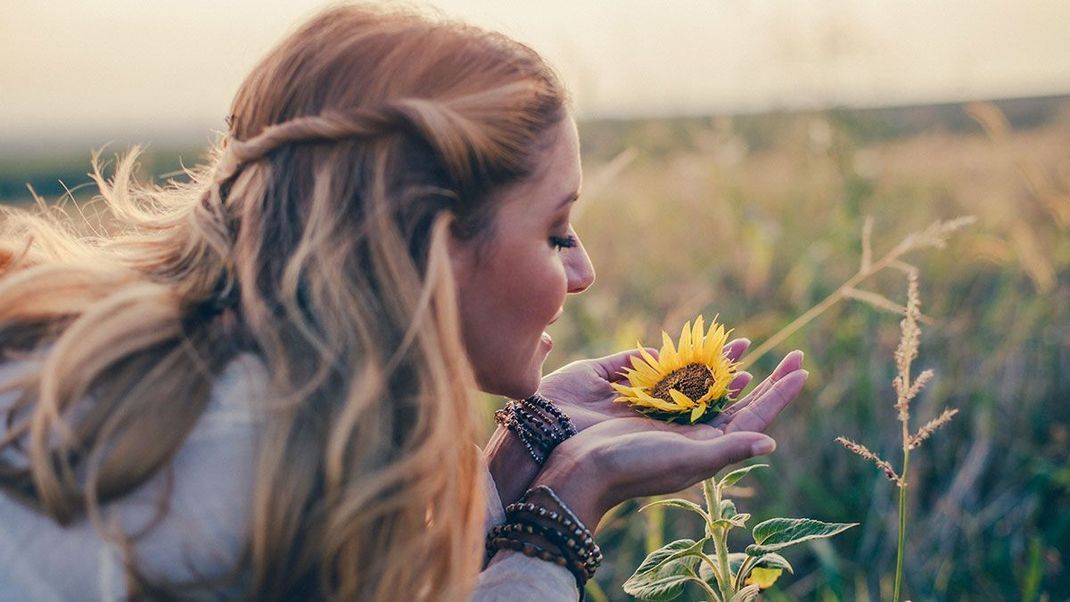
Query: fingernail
[805, 373]
[762, 447]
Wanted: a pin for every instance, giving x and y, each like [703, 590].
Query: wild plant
[690, 381]
[906, 389]
[723, 576]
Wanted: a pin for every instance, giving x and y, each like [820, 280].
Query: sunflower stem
[712, 491]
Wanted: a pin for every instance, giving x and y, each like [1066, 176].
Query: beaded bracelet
[579, 552]
[568, 542]
[565, 518]
[538, 423]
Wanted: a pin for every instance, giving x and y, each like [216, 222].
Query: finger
[699, 432]
[735, 349]
[738, 383]
[609, 367]
[791, 362]
[761, 412]
[709, 457]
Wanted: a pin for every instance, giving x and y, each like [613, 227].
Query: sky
[133, 69]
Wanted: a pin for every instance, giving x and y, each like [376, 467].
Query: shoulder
[206, 493]
[209, 485]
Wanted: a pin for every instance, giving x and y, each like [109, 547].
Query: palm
[582, 390]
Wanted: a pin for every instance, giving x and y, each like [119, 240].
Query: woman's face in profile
[512, 287]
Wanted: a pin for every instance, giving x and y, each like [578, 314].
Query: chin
[514, 390]
[518, 387]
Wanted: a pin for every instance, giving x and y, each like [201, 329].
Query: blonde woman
[257, 385]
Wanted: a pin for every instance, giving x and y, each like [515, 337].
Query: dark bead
[530, 549]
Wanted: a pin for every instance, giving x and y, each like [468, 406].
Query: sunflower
[690, 378]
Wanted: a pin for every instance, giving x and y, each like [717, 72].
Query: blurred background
[732, 153]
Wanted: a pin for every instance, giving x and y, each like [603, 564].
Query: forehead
[557, 175]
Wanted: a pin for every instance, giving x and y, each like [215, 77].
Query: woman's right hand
[624, 458]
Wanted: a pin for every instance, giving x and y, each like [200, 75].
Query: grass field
[756, 218]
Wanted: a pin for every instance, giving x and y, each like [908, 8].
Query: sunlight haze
[134, 68]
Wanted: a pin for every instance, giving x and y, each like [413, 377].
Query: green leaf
[772, 560]
[731, 478]
[663, 574]
[739, 520]
[747, 594]
[728, 508]
[779, 533]
[679, 503]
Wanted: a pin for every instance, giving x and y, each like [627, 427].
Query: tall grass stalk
[935, 235]
[906, 389]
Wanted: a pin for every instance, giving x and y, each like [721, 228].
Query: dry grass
[764, 230]
[906, 389]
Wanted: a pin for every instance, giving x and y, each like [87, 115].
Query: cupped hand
[581, 389]
[622, 458]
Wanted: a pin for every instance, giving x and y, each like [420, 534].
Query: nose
[579, 269]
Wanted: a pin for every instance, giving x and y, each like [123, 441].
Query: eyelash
[563, 243]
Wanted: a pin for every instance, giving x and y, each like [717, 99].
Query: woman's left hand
[624, 458]
[581, 389]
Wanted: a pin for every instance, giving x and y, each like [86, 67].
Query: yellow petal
[683, 401]
[667, 355]
[641, 399]
[649, 376]
[763, 578]
[710, 340]
[697, 413]
[686, 352]
[697, 338]
[648, 358]
[714, 341]
[709, 396]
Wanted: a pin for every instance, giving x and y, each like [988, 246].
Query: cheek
[544, 293]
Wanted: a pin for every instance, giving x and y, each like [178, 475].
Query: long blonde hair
[315, 238]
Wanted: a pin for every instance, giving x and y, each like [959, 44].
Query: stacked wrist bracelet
[538, 424]
[547, 530]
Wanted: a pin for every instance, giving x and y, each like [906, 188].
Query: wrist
[510, 464]
[542, 525]
[575, 480]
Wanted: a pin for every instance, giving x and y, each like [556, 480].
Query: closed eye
[566, 242]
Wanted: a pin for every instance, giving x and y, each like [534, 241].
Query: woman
[259, 385]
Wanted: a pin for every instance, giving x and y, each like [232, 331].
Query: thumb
[712, 455]
[609, 367]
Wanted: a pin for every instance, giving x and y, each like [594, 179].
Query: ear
[461, 252]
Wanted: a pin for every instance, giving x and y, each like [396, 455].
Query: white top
[205, 529]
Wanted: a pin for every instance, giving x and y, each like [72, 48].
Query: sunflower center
[692, 380]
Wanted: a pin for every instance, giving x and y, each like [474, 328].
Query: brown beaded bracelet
[531, 525]
[565, 518]
[538, 423]
[575, 546]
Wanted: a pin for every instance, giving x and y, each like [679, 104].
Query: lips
[559, 312]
